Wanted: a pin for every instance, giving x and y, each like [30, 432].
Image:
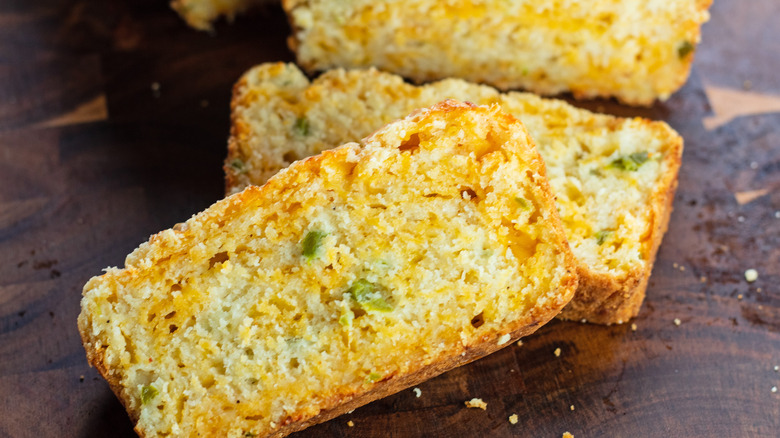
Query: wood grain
[93, 160]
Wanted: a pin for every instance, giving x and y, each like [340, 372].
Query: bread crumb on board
[633, 327]
[476, 403]
[751, 275]
[513, 419]
[557, 352]
[417, 392]
[350, 423]
[567, 435]
[677, 321]
[571, 407]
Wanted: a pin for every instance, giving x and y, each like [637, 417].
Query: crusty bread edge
[606, 299]
[292, 41]
[96, 359]
[231, 178]
[397, 384]
[391, 384]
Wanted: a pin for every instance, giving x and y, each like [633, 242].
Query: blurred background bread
[201, 14]
[635, 50]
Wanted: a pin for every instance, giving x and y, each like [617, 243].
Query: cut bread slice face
[613, 178]
[635, 50]
[348, 276]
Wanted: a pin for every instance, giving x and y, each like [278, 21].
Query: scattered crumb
[571, 407]
[677, 321]
[739, 297]
[633, 327]
[519, 343]
[81, 377]
[675, 265]
[682, 268]
[567, 435]
[740, 218]
[504, 339]
[777, 214]
[703, 279]
[513, 418]
[777, 368]
[417, 392]
[155, 89]
[758, 290]
[476, 403]
[751, 275]
[557, 352]
[747, 84]
[774, 389]
[350, 423]
[753, 165]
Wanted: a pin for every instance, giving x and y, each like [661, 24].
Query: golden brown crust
[96, 358]
[603, 299]
[236, 125]
[399, 383]
[292, 40]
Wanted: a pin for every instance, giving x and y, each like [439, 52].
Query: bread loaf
[614, 178]
[634, 50]
[349, 276]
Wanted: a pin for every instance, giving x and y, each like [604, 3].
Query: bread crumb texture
[349, 276]
[613, 178]
[513, 419]
[635, 50]
[476, 403]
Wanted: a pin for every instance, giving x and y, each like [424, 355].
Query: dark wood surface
[93, 161]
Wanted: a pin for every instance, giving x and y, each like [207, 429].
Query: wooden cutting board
[113, 125]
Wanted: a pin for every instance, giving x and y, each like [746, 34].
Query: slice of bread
[635, 50]
[613, 199]
[348, 276]
[201, 14]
